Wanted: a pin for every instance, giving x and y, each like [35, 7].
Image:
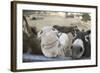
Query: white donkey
[54, 43]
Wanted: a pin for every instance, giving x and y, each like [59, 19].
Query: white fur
[51, 45]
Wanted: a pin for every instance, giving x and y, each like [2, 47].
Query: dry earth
[58, 20]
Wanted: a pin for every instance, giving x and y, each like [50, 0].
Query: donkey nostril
[71, 47]
[80, 49]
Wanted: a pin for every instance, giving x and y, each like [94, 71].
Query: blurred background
[46, 18]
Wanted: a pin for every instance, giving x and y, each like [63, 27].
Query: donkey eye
[53, 29]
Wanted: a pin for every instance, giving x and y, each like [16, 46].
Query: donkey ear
[40, 34]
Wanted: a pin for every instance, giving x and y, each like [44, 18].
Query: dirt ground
[58, 20]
